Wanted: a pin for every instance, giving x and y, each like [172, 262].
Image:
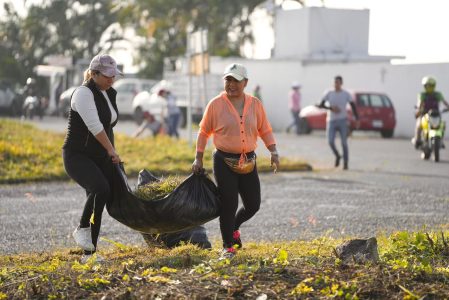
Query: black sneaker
[345, 166]
[337, 160]
[237, 241]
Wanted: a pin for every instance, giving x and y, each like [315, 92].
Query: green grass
[30, 154]
[414, 265]
[156, 190]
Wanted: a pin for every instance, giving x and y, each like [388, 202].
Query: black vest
[78, 137]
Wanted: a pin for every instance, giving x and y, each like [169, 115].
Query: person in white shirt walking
[337, 120]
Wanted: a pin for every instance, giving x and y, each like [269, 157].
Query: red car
[376, 113]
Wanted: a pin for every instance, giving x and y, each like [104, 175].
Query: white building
[314, 44]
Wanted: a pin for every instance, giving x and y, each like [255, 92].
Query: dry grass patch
[413, 266]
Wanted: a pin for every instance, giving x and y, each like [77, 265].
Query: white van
[127, 89]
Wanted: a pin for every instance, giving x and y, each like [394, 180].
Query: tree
[72, 28]
[164, 24]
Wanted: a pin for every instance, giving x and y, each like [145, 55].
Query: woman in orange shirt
[235, 120]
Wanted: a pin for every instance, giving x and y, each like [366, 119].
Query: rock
[358, 250]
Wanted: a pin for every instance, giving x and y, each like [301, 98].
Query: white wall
[291, 35]
[338, 31]
[321, 32]
[401, 82]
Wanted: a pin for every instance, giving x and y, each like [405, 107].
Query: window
[387, 101]
[362, 100]
[376, 101]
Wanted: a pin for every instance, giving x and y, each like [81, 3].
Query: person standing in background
[294, 104]
[256, 93]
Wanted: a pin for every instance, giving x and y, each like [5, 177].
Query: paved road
[387, 188]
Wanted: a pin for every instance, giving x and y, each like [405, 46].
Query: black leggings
[94, 175]
[230, 185]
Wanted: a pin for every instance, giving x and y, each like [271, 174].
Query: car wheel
[304, 126]
[138, 115]
[387, 133]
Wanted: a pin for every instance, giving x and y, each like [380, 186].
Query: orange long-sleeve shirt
[231, 133]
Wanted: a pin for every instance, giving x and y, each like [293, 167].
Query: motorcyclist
[30, 87]
[427, 100]
[30, 90]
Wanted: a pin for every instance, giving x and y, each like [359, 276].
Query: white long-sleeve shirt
[83, 103]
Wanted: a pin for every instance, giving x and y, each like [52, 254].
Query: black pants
[95, 176]
[230, 185]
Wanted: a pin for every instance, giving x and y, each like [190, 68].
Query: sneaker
[345, 166]
[337, 160]
[237, 241]
[83, 238]
[227, 253]
[91, 258]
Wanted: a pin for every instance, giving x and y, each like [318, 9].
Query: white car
[127, 89]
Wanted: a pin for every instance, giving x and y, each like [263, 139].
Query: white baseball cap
[105, 64]
[295, 84]
[237, 71]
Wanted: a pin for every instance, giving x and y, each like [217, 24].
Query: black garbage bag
[196, 235]
[145, 177]
[194, 202]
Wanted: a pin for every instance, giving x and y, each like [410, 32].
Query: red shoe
[237, 241]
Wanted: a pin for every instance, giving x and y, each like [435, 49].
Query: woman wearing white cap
[88, 148]
[236, 120]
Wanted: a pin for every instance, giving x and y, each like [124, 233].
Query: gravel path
[387, 188]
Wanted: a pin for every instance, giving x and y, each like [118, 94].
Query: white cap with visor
[236, 71]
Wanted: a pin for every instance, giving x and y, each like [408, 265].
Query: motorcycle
[31, 107]
[432, 134]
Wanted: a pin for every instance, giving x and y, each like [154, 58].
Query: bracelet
[274, 153]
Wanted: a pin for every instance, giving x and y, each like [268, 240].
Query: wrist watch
[274, 153]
